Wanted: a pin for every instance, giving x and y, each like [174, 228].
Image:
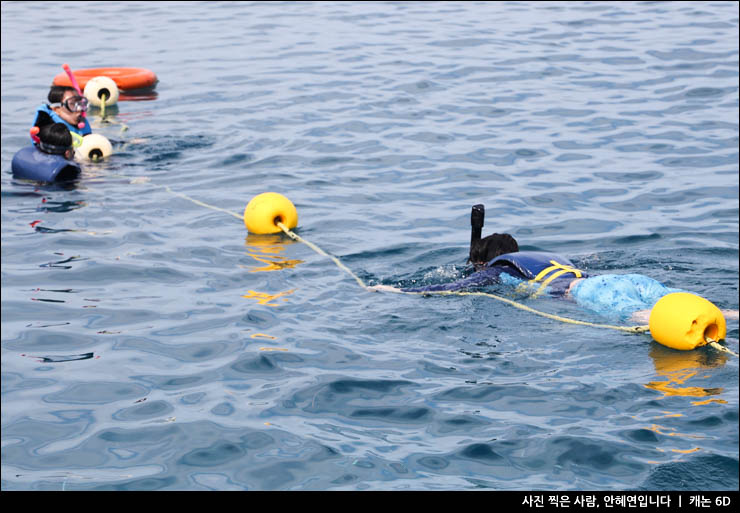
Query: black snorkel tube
[477, 215]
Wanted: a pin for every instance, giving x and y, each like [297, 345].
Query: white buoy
[99, 87]
[94, 147]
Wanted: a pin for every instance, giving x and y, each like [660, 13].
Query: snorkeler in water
[497, 259]
[65, 106]
[55, 139]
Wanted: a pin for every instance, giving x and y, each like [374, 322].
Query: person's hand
[641, 317]
[731, 314]
[383, 288]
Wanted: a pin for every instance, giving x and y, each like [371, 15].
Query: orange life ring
[125, 78]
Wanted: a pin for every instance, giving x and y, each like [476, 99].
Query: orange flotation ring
[125, 78]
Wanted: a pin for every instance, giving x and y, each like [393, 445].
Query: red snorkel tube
[76, 86]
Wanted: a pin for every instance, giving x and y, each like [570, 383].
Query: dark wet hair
[488, 248]
[55, 138]
[56, 93]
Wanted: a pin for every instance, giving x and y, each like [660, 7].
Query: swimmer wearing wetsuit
[497, 259]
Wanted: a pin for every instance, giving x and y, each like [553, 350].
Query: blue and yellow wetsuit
[541, 273]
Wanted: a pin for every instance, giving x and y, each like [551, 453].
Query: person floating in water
[55, 139]
[67, 107]
[497, 259]
[50, 158]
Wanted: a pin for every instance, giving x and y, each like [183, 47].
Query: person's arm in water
[383, 288]
[481, 278]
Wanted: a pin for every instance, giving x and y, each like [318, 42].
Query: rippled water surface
[148, 342]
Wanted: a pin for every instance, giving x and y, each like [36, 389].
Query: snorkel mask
[73, 104]
[53, 149]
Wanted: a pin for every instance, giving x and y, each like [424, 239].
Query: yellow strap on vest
[559, 269]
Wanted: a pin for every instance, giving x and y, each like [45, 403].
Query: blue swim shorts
[619, 295]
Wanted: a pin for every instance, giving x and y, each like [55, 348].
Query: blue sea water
[149, 342]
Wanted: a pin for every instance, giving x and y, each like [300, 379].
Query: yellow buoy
[99, 87]
[685, 321]
[265, 210]
[94, 147]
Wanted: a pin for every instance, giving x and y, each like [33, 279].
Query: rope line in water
[320, 251]
[102, 114]
[183, 196]
[720, 347]
[632, 329]
[628, 329]
[516, 304]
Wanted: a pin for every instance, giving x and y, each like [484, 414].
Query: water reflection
[678, 367]
[266, 249]
[58, 185]
[61, 358]
[61, 206]
[138, 95]
[266, 299]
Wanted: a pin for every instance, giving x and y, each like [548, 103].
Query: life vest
[30, 163]
[57, 119]
[540, 270]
